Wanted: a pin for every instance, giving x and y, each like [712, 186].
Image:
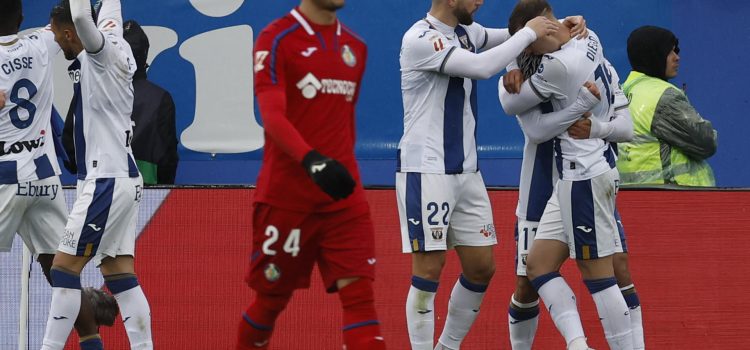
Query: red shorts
[286, 245]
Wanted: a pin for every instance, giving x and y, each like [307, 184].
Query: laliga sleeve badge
[272, 272]
[348, 56]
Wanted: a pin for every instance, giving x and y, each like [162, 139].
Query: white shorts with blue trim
[36, 211]
[102, 222]
[582, 215]
[439, 211]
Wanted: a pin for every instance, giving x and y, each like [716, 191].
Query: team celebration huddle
[310, 207]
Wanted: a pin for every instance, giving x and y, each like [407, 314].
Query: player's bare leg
[543, 265]
[420, 303]
[86, 324]
[478, 265]
[627, 287]
[361, 325]
[523, 314]
[119, 276]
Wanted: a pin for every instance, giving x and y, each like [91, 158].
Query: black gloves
[329, 175]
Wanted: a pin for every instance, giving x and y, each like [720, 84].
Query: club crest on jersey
[465, 42]
[437, 233]
[348, 56]
[272, 272]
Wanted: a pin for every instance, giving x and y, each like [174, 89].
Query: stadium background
[202, 52]
[688, 247]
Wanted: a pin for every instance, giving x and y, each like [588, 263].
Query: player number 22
[291, 245]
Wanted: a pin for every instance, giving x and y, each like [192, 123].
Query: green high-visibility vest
[646, 160]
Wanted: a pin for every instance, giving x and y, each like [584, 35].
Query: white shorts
[102, 221]
[439, 212]
[525, 232]
[36, 210]
[582, 215]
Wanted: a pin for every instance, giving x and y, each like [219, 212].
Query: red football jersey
[319, 70]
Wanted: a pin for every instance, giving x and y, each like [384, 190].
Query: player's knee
[480, 274]
[428, 267]
[69, 262]
[534, 269]
[357, 293]
[622, 271]
[525, 292]
[272, 304]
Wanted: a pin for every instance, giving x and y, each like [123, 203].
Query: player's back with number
[26, 150]
[560, 77]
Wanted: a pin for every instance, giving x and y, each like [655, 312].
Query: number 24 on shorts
[291, 245]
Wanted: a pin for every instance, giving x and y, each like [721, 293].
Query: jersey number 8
[22, 103]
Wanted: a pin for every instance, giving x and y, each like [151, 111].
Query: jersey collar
[306, 25]
[8, 40]
[443, 28]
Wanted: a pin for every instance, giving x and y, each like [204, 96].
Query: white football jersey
[103, 89]
[27, 150]
[558, 80]
[538, 177]
[440, 111]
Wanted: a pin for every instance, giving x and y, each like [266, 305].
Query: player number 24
[291, 245]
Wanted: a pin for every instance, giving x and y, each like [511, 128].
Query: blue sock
[93, 342]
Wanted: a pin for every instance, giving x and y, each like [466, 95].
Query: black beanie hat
[648, 48]
[136, 37]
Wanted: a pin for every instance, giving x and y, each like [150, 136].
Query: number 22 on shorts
[291, 245]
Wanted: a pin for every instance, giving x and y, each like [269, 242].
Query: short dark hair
[61, 13]
[11, 12]
[525, 11]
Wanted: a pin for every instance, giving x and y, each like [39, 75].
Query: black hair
[61, 13]
[648, 48]
[11, 13]
[524, 11]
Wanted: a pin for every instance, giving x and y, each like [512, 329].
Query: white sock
[636, 317]
[523, 320]
[578, 344]
[64, 308]
[561, 304]
[420, 313]
[613, 312]
[636, 325]
[134, 309]
[463, 309]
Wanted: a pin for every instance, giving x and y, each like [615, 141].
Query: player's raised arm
[83, 19]
[462, 63]
[110, 17]
[497, 36]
